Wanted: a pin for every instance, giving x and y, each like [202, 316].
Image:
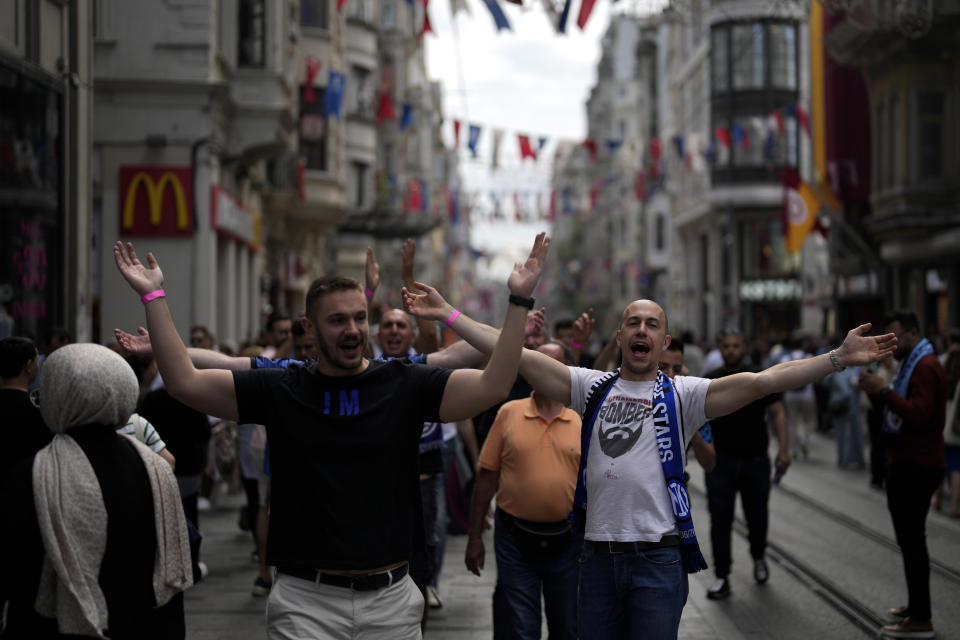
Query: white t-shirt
[627, 498]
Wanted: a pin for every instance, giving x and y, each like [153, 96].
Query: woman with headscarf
[94, 534]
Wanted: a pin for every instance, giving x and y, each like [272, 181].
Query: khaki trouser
[300, 609]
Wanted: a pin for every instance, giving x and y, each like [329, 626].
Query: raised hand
[407, 253]
[142, 279]
[858, 349]
[135, 345]
[373, 271]
[535, 322]
[429, 305]
[524, 278]
[583, 327]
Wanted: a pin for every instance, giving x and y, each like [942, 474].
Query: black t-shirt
[343, 457]
[184, 430]
[484, 421]
[743, 433]
[23, 430]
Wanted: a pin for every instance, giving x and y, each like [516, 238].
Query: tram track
[941, 569]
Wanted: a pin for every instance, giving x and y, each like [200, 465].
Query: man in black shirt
[741, 440]
[344, 436]
[24, 432]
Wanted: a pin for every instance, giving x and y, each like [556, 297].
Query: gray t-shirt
[627, 497]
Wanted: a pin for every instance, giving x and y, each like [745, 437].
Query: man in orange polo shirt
[530, 461]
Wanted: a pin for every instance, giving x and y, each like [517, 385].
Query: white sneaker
[433, 598]
[204, 570]
[719, 589]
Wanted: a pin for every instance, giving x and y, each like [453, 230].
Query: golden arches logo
[155, 192]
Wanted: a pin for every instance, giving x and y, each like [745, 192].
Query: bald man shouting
[631, 501]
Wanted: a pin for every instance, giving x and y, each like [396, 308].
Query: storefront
[31, 201]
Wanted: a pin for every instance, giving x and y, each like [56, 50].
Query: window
[718, 59]
[359, 184]
[746, 143]
[313, 131]
[747, 55]
[660, 232]
[360, 10]
[251, 33]
[313, 13]
[359, 96]
[930, 112]
[783, 56]
[388, 14]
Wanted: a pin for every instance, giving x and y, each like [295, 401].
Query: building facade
[45, 128]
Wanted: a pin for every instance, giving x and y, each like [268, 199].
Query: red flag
[590, 146]
[456, 135]
[595, 191]
[427, 27]
[526, 151]
[656, 148]
[778, 118]
[340, 4]
[723, 136]
[385, 110]
[414, 196]
[585, 8]
[313, 68]
[640, 186]
[803, 118]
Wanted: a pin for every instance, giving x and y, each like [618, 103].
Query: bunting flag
[723, 136]
[741, 137]
[613, 145]
[406, 118]
[427, 27]
[640, 186]
[499, 19]
[803, 118]
[526, 151]
[313, 68]
[678, 144]
[473, 137]
[385, 110]
[414, 196]
[656, 148]
[778, 120]
[541, 143]
[586, 8]
[768, 146]
[340, 4]
[591, 147]
[456, 135]
[333, 99]
[564, 15]
[459, 5]
[497, 137]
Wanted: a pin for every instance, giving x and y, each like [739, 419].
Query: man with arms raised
[639, 538]
[343, 437]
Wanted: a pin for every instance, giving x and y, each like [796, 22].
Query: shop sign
[230, 218]
[156, 201]
[770, 290]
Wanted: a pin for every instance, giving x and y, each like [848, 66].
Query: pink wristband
[576, 345]
[453, 318]
[153, 295]
[369, 293]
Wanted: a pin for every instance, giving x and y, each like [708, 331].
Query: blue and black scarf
[891, 421]
[670, 444]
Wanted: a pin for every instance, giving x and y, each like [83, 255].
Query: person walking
[915, 408]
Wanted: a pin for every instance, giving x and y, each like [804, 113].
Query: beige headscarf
[89, 384]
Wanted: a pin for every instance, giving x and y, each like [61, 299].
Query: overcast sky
[528, 80]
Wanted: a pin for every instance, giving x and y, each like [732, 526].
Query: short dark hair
[202, 329]
[275, 317]
[60, 333]
[297, 329]
[565, 323]
[328, 284]
[687, 336]
[15, 352]
[907, 319]
[728, 331]
[675, 345]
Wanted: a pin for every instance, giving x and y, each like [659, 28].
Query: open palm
[524, 278]
[143, 279]
[858, 349]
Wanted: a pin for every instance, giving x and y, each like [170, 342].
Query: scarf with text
[891, 421]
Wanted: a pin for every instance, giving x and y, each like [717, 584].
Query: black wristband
[520, 301]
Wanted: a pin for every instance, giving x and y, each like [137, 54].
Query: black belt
[365, 582]
[613, 546]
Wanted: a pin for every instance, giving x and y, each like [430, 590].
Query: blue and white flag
[473, 137]
[333, 100]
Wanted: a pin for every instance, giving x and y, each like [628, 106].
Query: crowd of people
[577, 460]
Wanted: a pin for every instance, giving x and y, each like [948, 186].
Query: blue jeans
[631, 595]
[520, 579]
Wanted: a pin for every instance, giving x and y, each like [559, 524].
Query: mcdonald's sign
[155, 201]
